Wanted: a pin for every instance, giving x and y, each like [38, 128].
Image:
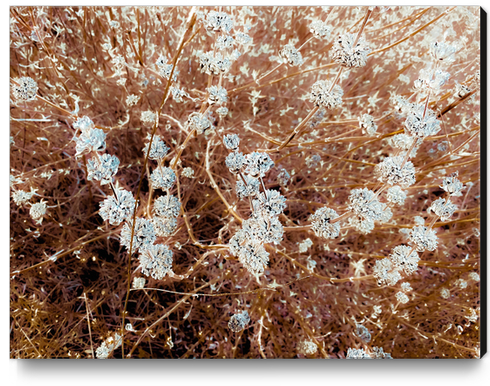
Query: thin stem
[366, 18]
[298, 128]
[181, 148]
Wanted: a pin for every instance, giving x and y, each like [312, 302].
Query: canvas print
[245, 182]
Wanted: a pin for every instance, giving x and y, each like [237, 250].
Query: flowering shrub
[245, 182]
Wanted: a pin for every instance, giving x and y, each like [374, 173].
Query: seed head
[235, 162]
[420, 126]
[367, 124]
[90, 140]
[164, 226]
[349, 55]
[231, 141]
[250, 189]
[405, 259]
[270, 204]
[323, 95]
[442, 208]
[452, 185]
[156, 261]
[386, 273]
[217, 95]
[306, 347]
[320, 29]
[37, 211]
[102, 168]
[401, 297]
[441, 51]
[163, 177]
[218, 21]
[396, 195]
[321, 225]
[199, 122]
[257, 164]
[119, 208]
[166, 206]
[26, 89]
[423, 238]
[353, 353]
[291, 55]
[144, 234]
[158, 148]
[391, 172]
[239, 321]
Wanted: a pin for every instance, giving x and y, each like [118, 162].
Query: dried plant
[247, 182]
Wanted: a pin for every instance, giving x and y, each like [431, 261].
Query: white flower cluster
[461, 90]
[404, 142]
[307, 347]
[406, 287]
[452, 185]
[363, 333]
[156, 261]
[118, 207]
[25, 90]
[263, 227]
[162, 177]
[368, 209]
[158, 149]
[423, 239]
[322, 94]
[430, 80]
[239, 321]
[139, 282]
[148, 117]
[396, 195]
[257, 164]
[231, 141]
[218, 22]
[291, 55]
[250, 187]
[144, 234]
[20, 197]
[90, 139]
[393, 171]
[217, 95]
[349, 53]
[222, 111]
[321, 224]
[320, 29]
[444, 208]
[367, 124]
[37, 211]
[403, 259]
[441, 51]
[108, 346]
[165, 69]
[102, 168]
[166, 209]
[178, 94]
[283, 177]
[354, 353]
[214, 64]
[421, 122]
[224, 41]
[401, 297]
[199, 122]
